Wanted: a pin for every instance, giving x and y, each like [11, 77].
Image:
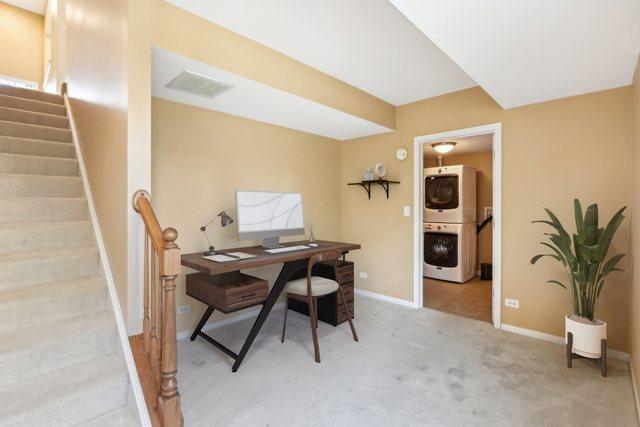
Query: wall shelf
[384, 183]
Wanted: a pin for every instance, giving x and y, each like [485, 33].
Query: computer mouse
[313, 245]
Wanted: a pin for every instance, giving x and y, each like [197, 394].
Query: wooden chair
[310, 288]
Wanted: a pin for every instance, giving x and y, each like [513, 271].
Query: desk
[293, 262]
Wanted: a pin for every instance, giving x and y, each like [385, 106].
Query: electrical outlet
[513, 303]
[363, 275]
[406, 211]
[183, 309]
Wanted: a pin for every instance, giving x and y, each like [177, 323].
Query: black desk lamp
[224, 221]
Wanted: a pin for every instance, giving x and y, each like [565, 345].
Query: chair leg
[346, 307]
[314, 332]
[286, 310]
[315, 307]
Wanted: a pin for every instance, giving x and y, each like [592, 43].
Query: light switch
[406, 211]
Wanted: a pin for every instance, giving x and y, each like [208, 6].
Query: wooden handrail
[161, 267]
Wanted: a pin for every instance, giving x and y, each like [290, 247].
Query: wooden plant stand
[602, 360]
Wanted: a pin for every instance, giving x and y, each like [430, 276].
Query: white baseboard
[385, 298]
[614, 354]
[229, 320]
[634, 385]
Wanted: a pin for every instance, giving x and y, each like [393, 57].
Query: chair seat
[319, 286]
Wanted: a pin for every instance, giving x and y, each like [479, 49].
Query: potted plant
[582, 255]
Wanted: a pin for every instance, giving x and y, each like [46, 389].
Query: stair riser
[51, 237]
[33, 118]
[31, 105]
[22, 130]
[24, 272]
[42, 210]
[42, 357]
[75, 406]
[31, 94]
[24, 312]
[30, 147]
[40, 186]
[30, 165]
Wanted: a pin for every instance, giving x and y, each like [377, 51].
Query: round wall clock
[401, 153]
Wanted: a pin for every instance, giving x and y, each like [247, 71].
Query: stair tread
[4, 95]
[21, 110]
[44, 224]
[55, 331]
[36, 126]
[33, 139]
[121, 417]
[77, 379]
[42, 290]
[48, 254]
[58, 99]
[20, 115]
[32, 156]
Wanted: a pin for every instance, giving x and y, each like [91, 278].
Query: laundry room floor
[471, 299]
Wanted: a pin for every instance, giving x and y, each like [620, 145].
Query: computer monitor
[268, 215]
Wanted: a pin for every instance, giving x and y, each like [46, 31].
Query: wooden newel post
[169, 401]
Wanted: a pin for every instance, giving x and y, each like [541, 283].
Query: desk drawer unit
[330, 307]
[227, 292]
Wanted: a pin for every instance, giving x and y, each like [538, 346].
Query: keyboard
[286, 249]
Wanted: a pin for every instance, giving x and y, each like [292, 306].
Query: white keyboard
[286, 249]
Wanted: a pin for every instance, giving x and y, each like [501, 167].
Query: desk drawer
[342, 313]
[227, 292]
[347, 288]
[345, 272]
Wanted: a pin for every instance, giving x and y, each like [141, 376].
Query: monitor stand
[271, 242]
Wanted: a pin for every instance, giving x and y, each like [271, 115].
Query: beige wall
[483, 164]
[96, 74]
[200, 157]
[552, 152]
[21, 43]
[634, 319]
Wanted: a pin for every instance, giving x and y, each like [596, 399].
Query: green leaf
[557, 251]
[566, 251]
[555, 282]
[591, 224]
[610, 265]
[563, 233]
[577, 209]
[607, 235]
[537, 257]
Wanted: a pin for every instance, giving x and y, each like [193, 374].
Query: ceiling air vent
[194, 84]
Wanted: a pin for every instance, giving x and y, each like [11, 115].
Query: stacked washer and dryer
[450, 236]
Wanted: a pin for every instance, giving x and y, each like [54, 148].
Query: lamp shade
[225, 219]
[443, 147]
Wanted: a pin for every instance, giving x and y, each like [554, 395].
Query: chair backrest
[332, 256]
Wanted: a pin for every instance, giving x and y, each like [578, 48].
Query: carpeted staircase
[61, 362]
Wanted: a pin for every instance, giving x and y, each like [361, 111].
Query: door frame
[495, 129]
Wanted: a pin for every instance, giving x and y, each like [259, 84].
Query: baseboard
[385, 298]
[614, 354]
[229, 320]
[634, 385]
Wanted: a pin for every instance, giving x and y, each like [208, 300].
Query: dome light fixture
[443, 147]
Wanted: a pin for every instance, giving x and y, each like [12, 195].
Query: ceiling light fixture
[443, 147]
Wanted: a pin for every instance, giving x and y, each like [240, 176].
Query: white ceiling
[469, 145]
[257, 101]
[35, 6]
[366, 43]
[527, 51]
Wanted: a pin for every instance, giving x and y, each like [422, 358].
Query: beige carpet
[471, 299]
[411, 368]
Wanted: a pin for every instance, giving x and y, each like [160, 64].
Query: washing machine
[450, 194]
[450, 251]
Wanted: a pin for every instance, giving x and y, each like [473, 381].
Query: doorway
[457, 222]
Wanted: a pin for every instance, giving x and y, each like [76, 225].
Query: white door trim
[496, 130]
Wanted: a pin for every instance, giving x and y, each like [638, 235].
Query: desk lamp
[224, 221]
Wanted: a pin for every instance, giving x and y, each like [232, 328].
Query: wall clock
[401, 153]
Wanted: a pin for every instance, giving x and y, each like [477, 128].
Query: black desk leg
[287, 270]
[207, 314]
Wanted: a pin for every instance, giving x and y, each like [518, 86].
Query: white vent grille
[194, 84]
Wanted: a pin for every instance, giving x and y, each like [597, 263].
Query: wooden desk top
[195, 260]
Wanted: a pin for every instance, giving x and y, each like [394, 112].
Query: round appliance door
[441, 249]
[441, 192]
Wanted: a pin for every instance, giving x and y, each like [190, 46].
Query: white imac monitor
[268, 215]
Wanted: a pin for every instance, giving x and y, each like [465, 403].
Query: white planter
[587, 335]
